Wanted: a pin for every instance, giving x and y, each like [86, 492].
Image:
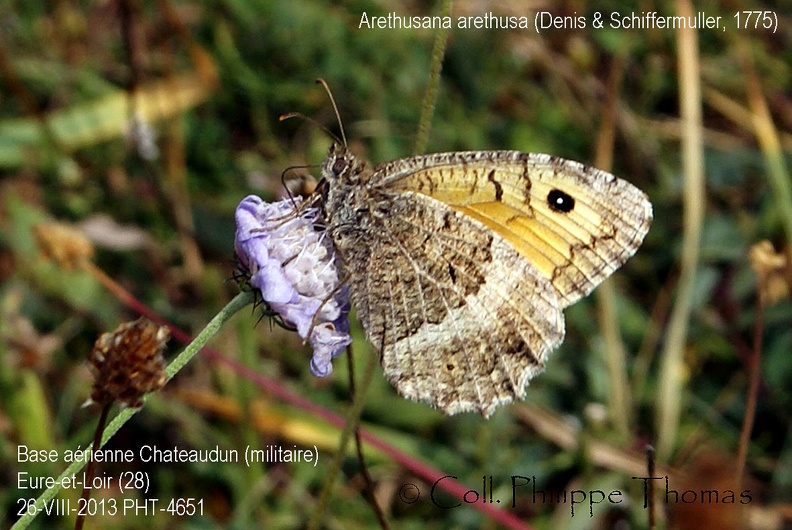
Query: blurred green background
[142, 125]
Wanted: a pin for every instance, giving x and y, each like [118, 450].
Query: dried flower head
[63, 244]
[773, 272]
[128, 363]
[293, 265]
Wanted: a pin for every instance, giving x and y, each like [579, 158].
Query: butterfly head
[341, 166]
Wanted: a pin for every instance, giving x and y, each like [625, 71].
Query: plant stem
[351, 424]
[427, 107]
[91, 470]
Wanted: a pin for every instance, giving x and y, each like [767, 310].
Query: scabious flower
[293, 265]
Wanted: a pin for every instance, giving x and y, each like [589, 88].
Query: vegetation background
[142, 125]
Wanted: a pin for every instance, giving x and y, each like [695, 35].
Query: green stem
[428, 105]
[349, 428]
[240, 301]
[671, 388]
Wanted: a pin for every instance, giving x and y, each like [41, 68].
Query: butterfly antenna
[289, 115]
[286, 187]
[335, 108]
[293, 168]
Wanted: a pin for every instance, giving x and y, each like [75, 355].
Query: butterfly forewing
[511, 193]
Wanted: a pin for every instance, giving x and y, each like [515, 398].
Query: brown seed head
[63, 244]
[773, 272]
[128, 363]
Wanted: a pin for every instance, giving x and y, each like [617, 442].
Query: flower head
[293, 265]
[128, 363]
[63, 244]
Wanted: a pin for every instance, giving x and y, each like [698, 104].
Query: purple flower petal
[274, 286]
[327, 343]
[294, 267]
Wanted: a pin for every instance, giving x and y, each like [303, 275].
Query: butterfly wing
[459, 264]
[463, 321]
[573, 223]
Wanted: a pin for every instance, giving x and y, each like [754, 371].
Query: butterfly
[459, 265]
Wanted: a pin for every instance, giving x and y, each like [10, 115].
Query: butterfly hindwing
[463, 319]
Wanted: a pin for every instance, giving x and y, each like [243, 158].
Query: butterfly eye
[560, 201]
[339, 166]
